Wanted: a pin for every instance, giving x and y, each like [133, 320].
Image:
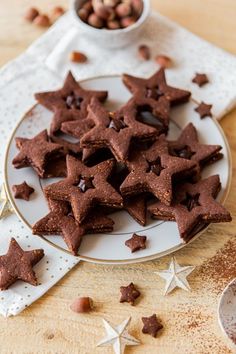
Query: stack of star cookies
[120, 160]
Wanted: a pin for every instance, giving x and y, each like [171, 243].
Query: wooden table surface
[190, 319]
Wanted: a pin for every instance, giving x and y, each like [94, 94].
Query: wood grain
[190, 319]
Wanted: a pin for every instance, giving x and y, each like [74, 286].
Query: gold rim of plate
[115, 261]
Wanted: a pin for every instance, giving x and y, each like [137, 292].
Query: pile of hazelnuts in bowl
[110, 23]
[110, 14]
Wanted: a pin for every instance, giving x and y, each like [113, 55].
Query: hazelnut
[57, 12]
[31, 14]
[123, 10]
[137, 6]
[83, 14]
[95, 21]
[82, 305]
[126, 2]
[88, 6]
[144, 52]
[78, 57]
[163, 61]
[111, 3]
[42, 21]
[102, 11]
[127, 21]
[114, 24]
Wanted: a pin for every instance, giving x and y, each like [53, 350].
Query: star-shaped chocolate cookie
[155, 95]
[152, 171]
[152, 112]
[155, 87]
[69, 147]
[200, 79]
[22, 191]
[193, 206]
[85, 187]
[56, 167]
[204, 110]
[36, 152]
[129, 293]
[187, 146]
[136, 207]
[115, 130]
[136, 243]
[151, 325]
[68, 103]
[77, 129]
[60, 221]
[18, 264]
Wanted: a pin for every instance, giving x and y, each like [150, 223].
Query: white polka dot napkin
[43, 67]
[16, 97]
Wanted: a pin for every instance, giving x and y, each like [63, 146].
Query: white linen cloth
[44, 65]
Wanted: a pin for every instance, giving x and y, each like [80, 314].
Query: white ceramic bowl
[111, 38]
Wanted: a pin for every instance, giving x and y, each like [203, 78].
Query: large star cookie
[194, 205]
[36, 152]
[18, 264]
[60, 221]
[155, 95]
[187, 146]
[68, 103]
[115, 130]
[85, 187]
[152, 171]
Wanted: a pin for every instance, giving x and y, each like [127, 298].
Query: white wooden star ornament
[5, 205]
[176, 276]
[118, 336]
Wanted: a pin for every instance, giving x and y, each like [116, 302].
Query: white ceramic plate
[163, 237]
[227, 311]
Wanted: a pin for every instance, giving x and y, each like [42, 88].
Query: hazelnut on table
[82, 305]
[57, 12]
[42, 21]
[31, 14]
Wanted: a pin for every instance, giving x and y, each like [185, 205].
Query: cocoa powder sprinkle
[220, 269]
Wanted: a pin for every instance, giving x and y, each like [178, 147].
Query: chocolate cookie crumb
[200, 79]
[151, 325]
[136, 243]
[129, 293]
[22, 191]
[204, 110]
